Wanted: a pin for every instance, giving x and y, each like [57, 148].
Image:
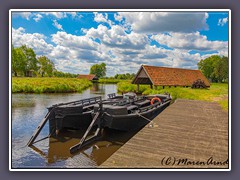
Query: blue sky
[75, 41]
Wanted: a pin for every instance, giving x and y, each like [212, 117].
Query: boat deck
[187, 134]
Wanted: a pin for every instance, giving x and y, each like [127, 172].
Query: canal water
[27, 112]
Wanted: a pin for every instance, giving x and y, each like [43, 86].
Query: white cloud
[117, 37]
[57, 25]
[155, 22]
[124, 47]
[223, 21]
[25, 15]
[57, 15]
[118, 17]
[35, 41]
[73, 14]
[190, 41]
[37, 17]
[73, 41]
[101, 18]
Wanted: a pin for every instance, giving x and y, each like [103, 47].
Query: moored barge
[125, 113]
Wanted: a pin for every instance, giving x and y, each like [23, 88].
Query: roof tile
[173, 76]
[87, 76]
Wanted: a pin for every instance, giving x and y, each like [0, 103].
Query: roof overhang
[142, 80]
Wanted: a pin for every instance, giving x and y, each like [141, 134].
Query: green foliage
[99, 70]
[218, 92]
[24, 60]
[215, 68]
[46, 66]
[31, 60]
[62, 74]
[49, 85]
[126, 86]
[111, 80]
[124, 76]
[19, 61]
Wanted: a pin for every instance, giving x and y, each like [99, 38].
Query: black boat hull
[111, 118]
[133, 121]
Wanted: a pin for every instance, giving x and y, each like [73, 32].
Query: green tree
[14, 61]
[221, 69]
[99, 70]
[46, 66]
[124, 76]
[19, 61]
[215, 68]
[31, 60]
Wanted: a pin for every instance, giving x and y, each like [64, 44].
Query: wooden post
[151, 86]
[155, 87]
[137, 87]
[163, 87]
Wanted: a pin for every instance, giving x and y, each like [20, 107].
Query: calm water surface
[27, 112]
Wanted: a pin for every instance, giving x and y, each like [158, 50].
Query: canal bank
[187, 134]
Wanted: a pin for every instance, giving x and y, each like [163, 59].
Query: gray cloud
[155, 22]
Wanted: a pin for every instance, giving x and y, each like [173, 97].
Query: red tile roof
[164, 76]
[87, 76]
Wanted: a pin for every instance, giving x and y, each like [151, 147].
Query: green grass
[218, 92]
[49, 85]
[111, 81]
[126, 86]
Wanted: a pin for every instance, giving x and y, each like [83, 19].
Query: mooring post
[137, 87]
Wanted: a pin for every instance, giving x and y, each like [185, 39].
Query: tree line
[215, 68]
[100, 71]
[24, 60]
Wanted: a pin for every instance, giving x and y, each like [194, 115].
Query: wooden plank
[39, 128]
[187, 129]
[78, 146]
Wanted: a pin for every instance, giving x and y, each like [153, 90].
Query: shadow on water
[96, 153]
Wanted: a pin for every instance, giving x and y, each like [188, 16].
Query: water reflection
[29, 109]
[95, 153]
[97, 88]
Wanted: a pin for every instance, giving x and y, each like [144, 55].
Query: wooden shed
[29, 73]
[165, 76]
[90, 77]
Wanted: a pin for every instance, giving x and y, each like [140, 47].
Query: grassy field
[218, 92]
[111, 81]
[49, 85]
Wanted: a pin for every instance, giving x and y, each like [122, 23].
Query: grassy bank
[111, 81]
[218, 92]
[49, 85]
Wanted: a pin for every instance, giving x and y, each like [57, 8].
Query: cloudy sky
[75, 41]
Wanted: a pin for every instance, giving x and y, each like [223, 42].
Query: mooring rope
[144, 117]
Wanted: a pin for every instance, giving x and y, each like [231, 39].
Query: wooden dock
[187, 134]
